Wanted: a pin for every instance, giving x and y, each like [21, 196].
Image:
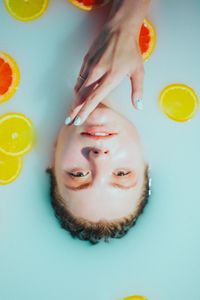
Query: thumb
[137, 81]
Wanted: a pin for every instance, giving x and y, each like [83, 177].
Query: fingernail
[77, 121]
[139, 104]
[67, 120]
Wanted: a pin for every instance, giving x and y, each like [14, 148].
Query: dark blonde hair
[95, 231]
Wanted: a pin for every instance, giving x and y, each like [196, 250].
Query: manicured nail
[77, 121]
[67, 120]
[139, 104]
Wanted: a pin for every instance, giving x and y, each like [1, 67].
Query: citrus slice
[10, 168]
[26, 10]
[16, 134]
[179, 102]
[135, 298]
[9, 76]
[147, 39]
[88, 4]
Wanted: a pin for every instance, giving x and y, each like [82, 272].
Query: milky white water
[160, 257]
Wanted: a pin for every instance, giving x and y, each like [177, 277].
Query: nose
[101, 163]
[97, 153]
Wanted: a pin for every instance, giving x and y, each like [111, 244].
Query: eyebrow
[88, 185]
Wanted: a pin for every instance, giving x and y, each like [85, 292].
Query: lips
[99, 132]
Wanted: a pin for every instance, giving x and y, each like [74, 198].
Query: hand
[114, 54]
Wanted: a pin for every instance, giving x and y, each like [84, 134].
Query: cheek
[131, 152]
[70, 155]
[68, 150]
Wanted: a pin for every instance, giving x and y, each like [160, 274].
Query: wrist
[128, 14]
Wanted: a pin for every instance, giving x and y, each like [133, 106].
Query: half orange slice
[88, 4]
[10, 168]
[147, 39]
[9, 76]
[16, 134]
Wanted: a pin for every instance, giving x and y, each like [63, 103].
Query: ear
[51, 160]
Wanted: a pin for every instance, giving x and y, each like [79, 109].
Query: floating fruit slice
[89, 4]
[9, 76]
[26, 10]
[16, 134]
[147, 39]
[10, 168]
[179, 102]
[135, 298]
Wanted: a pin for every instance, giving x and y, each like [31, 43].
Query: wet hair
[95, 231]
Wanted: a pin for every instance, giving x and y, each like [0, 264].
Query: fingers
[84, 71]
[72, 114]
[96, 96]
[92, 68]
[84, 89]
[137, 82]
[77, 104]
[95, 75]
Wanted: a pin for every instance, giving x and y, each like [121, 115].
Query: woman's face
[100, 177]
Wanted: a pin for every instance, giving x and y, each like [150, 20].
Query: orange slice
[135, 298]
[26, 10]
[9, 76]
[147, 39]
[16, 134]
[10, 168]
[88, 4]
[179, 102]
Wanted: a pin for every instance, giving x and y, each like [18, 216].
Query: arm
[114, 54]
[130, 11]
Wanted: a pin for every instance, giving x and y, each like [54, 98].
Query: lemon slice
[179, 102]
[16, 134]
[9, 76]
[26, 10]
[10, 168]
[135, 298]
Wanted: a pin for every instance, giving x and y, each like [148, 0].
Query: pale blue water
[160, 257]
